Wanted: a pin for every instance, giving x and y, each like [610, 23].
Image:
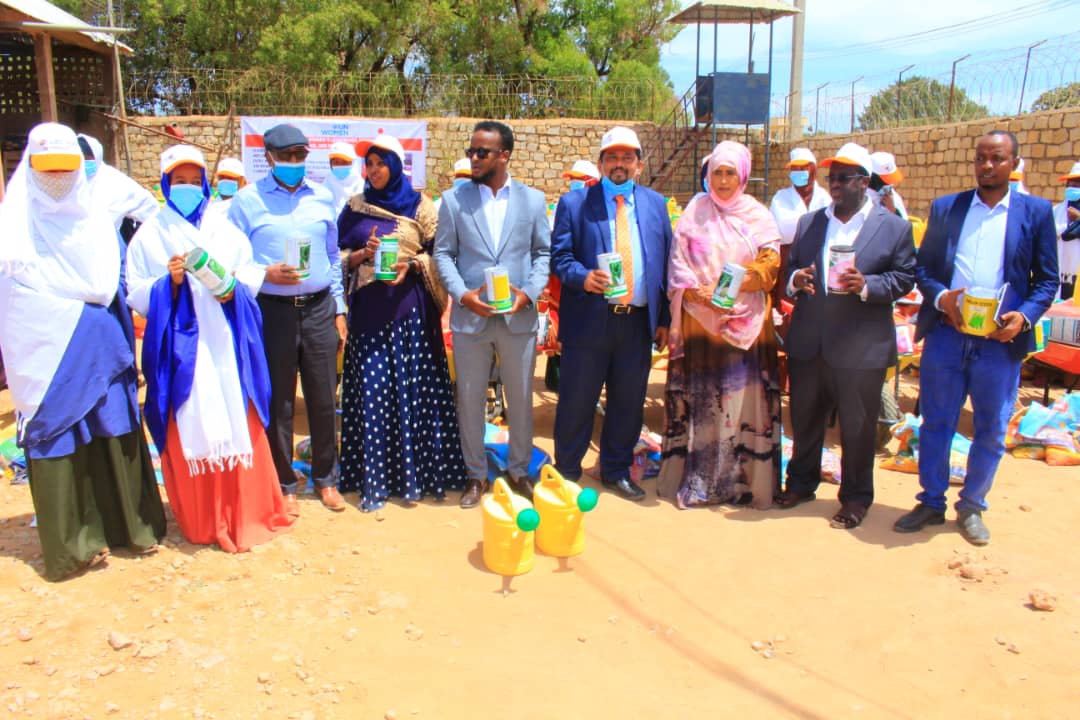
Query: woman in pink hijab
[722, 400]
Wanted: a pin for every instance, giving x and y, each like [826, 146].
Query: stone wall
[935, 160]
[543, 149]
[938, 160]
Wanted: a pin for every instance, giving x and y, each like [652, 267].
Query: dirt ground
[706, 613]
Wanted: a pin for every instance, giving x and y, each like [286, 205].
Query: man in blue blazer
[978, 238]
[608, 341]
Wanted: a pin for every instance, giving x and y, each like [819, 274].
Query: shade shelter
[53, 67]
[727, 98]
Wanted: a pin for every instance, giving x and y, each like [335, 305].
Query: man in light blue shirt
[292, 227]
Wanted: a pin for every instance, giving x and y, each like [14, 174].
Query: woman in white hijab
[118, 194]
[344, 178]
[207, 382]
[69, 348]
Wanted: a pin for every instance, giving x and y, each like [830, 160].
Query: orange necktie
[622, 246]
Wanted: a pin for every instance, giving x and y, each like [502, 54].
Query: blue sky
[996, 35]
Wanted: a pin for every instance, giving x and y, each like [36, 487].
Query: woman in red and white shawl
[722, 400]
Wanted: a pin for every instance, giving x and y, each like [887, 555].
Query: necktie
[622, 246]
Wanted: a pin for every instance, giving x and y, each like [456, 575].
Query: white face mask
[54, 184]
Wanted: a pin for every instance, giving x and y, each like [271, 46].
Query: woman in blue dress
[399, 433]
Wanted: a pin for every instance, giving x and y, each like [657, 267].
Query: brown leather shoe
[523, 486]
[331, 499]
[292, 507]
[474, 491]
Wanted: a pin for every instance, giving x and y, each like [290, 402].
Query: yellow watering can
[562, 506]
[509, 521]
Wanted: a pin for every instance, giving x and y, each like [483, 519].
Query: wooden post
[43, 65]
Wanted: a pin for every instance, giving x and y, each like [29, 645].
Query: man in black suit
[842, 335]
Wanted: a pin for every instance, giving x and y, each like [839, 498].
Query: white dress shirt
[494, 206]
[980, 251]
[838, 233]
[787, 207]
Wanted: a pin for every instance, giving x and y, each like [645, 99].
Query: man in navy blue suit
[985, 238]
[608, 341]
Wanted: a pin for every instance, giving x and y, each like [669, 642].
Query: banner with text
[323, 132]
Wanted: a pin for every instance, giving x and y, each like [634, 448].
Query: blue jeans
[956, 366]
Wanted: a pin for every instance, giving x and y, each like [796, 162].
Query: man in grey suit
[842, 336]
[493, 221]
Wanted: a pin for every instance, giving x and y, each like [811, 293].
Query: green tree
[1058, 98]
[918, 101]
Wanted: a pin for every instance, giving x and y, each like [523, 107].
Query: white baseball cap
[885, 167]
[463, 168]
[582, 169]
[181, 155]
[1073, 174]
[231, 167]
[52, 146]
[343, 150]
[391, 143]
[801, 156]
[620, 136]
[851, 154]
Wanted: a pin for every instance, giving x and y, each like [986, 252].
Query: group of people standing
[296, 283]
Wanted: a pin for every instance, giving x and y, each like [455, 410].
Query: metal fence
[205, 91]
[972, 86]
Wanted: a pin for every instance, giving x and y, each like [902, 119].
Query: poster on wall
[323, 132]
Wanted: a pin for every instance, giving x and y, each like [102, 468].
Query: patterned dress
[722, 408]
[399, 435]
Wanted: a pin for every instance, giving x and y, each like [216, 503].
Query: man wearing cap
[344, 180]
[883, 181]
[462, 176]
[982, 238]
[292, 226]
[804, 195]
[1016, 178]
[228, 180]
[494, 222]
[842, 336]
[608, 341]
[1067, 224]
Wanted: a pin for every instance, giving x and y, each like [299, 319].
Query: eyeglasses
[290, 155]
[843, 179]
[481, 153]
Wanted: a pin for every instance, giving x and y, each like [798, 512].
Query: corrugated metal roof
[46, 12]
[734, 12]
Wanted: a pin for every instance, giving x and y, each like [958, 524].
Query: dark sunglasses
[481, 153]
[843, 179]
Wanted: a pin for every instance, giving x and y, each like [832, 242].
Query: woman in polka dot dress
[399, 424]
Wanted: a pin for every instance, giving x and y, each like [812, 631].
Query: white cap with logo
[851, 154]
[231, 167]
[801, 156]
[885, 167]
[179, 155]
[391, 143]
[620, 136]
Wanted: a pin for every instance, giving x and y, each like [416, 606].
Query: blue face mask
[290, 173]
[625, 188]
[227, 188]
[186, 198]
[91, 168]
[461, 181]
[1014, 185]
[799, 178]
[341, 171]
[1072, 194]
[577, 184]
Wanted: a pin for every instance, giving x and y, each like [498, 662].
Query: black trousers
[620, 359]
[817, 389]
[302, 339]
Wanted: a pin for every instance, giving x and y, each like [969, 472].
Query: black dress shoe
[918, 518]
[523, 486]
[474, 491]
[626, 488]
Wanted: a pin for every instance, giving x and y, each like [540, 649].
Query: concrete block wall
[936, 160]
